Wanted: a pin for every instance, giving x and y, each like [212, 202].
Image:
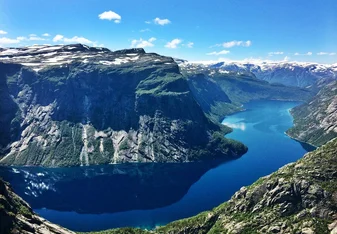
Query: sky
[280, 30]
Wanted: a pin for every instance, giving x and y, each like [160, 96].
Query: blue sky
[295, 30]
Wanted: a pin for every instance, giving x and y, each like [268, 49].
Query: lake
[148, 195]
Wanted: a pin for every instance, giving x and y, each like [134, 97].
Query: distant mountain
[304, 75]
[315, 122]
[221, 92]
[76, 105]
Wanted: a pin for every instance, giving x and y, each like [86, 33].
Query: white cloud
[145, 30]
[173, 44]
[219, 53]
[46, 35]
[190, 45]
[305, 54]
[35, 38]
[2, 32]
[230, 44]
[110, 15]
[148, 22]
[75, 39]
[143, 43]
[58, 38]
[5, 40]
[161, 21]
[32, 35]
[326, 53]
[275, 53]
[286, 58]
[22, 38]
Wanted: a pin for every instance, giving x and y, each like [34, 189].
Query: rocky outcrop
[76, 105]
[18, 218]
[315, 122]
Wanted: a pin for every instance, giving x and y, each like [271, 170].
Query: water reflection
[105, 189]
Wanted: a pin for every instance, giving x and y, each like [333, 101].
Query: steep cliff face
[77, 105]
[17, 217]
[315, 122]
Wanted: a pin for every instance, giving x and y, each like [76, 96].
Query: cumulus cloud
[305, 54]
[326, 53]
[75, 39]
[110, 15]
[58, 38]
[2, 32]
[161, 21]
[5, 41]
[275, 53]
[173, 44]
[219, 53]
[230, 44]
[141, 43]
[46, 35]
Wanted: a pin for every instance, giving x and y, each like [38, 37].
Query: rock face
[315, 122]
[300, 197]
[220, 92]
[17, 217]
[77, 105]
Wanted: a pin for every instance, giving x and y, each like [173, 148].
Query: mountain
[221, 92]
[303, 75]
[76, 105]
[17, 217]
[315, 122]
[298, 198]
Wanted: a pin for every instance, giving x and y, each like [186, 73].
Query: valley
[95, 139]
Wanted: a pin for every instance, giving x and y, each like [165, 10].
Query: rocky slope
[221, 92]
[304, 75]
[17, 217]
[299, 198]
[77, 105]
[315, 122]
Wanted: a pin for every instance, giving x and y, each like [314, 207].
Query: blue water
[151, 195]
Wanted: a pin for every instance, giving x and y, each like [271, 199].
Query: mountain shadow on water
[105, 189]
